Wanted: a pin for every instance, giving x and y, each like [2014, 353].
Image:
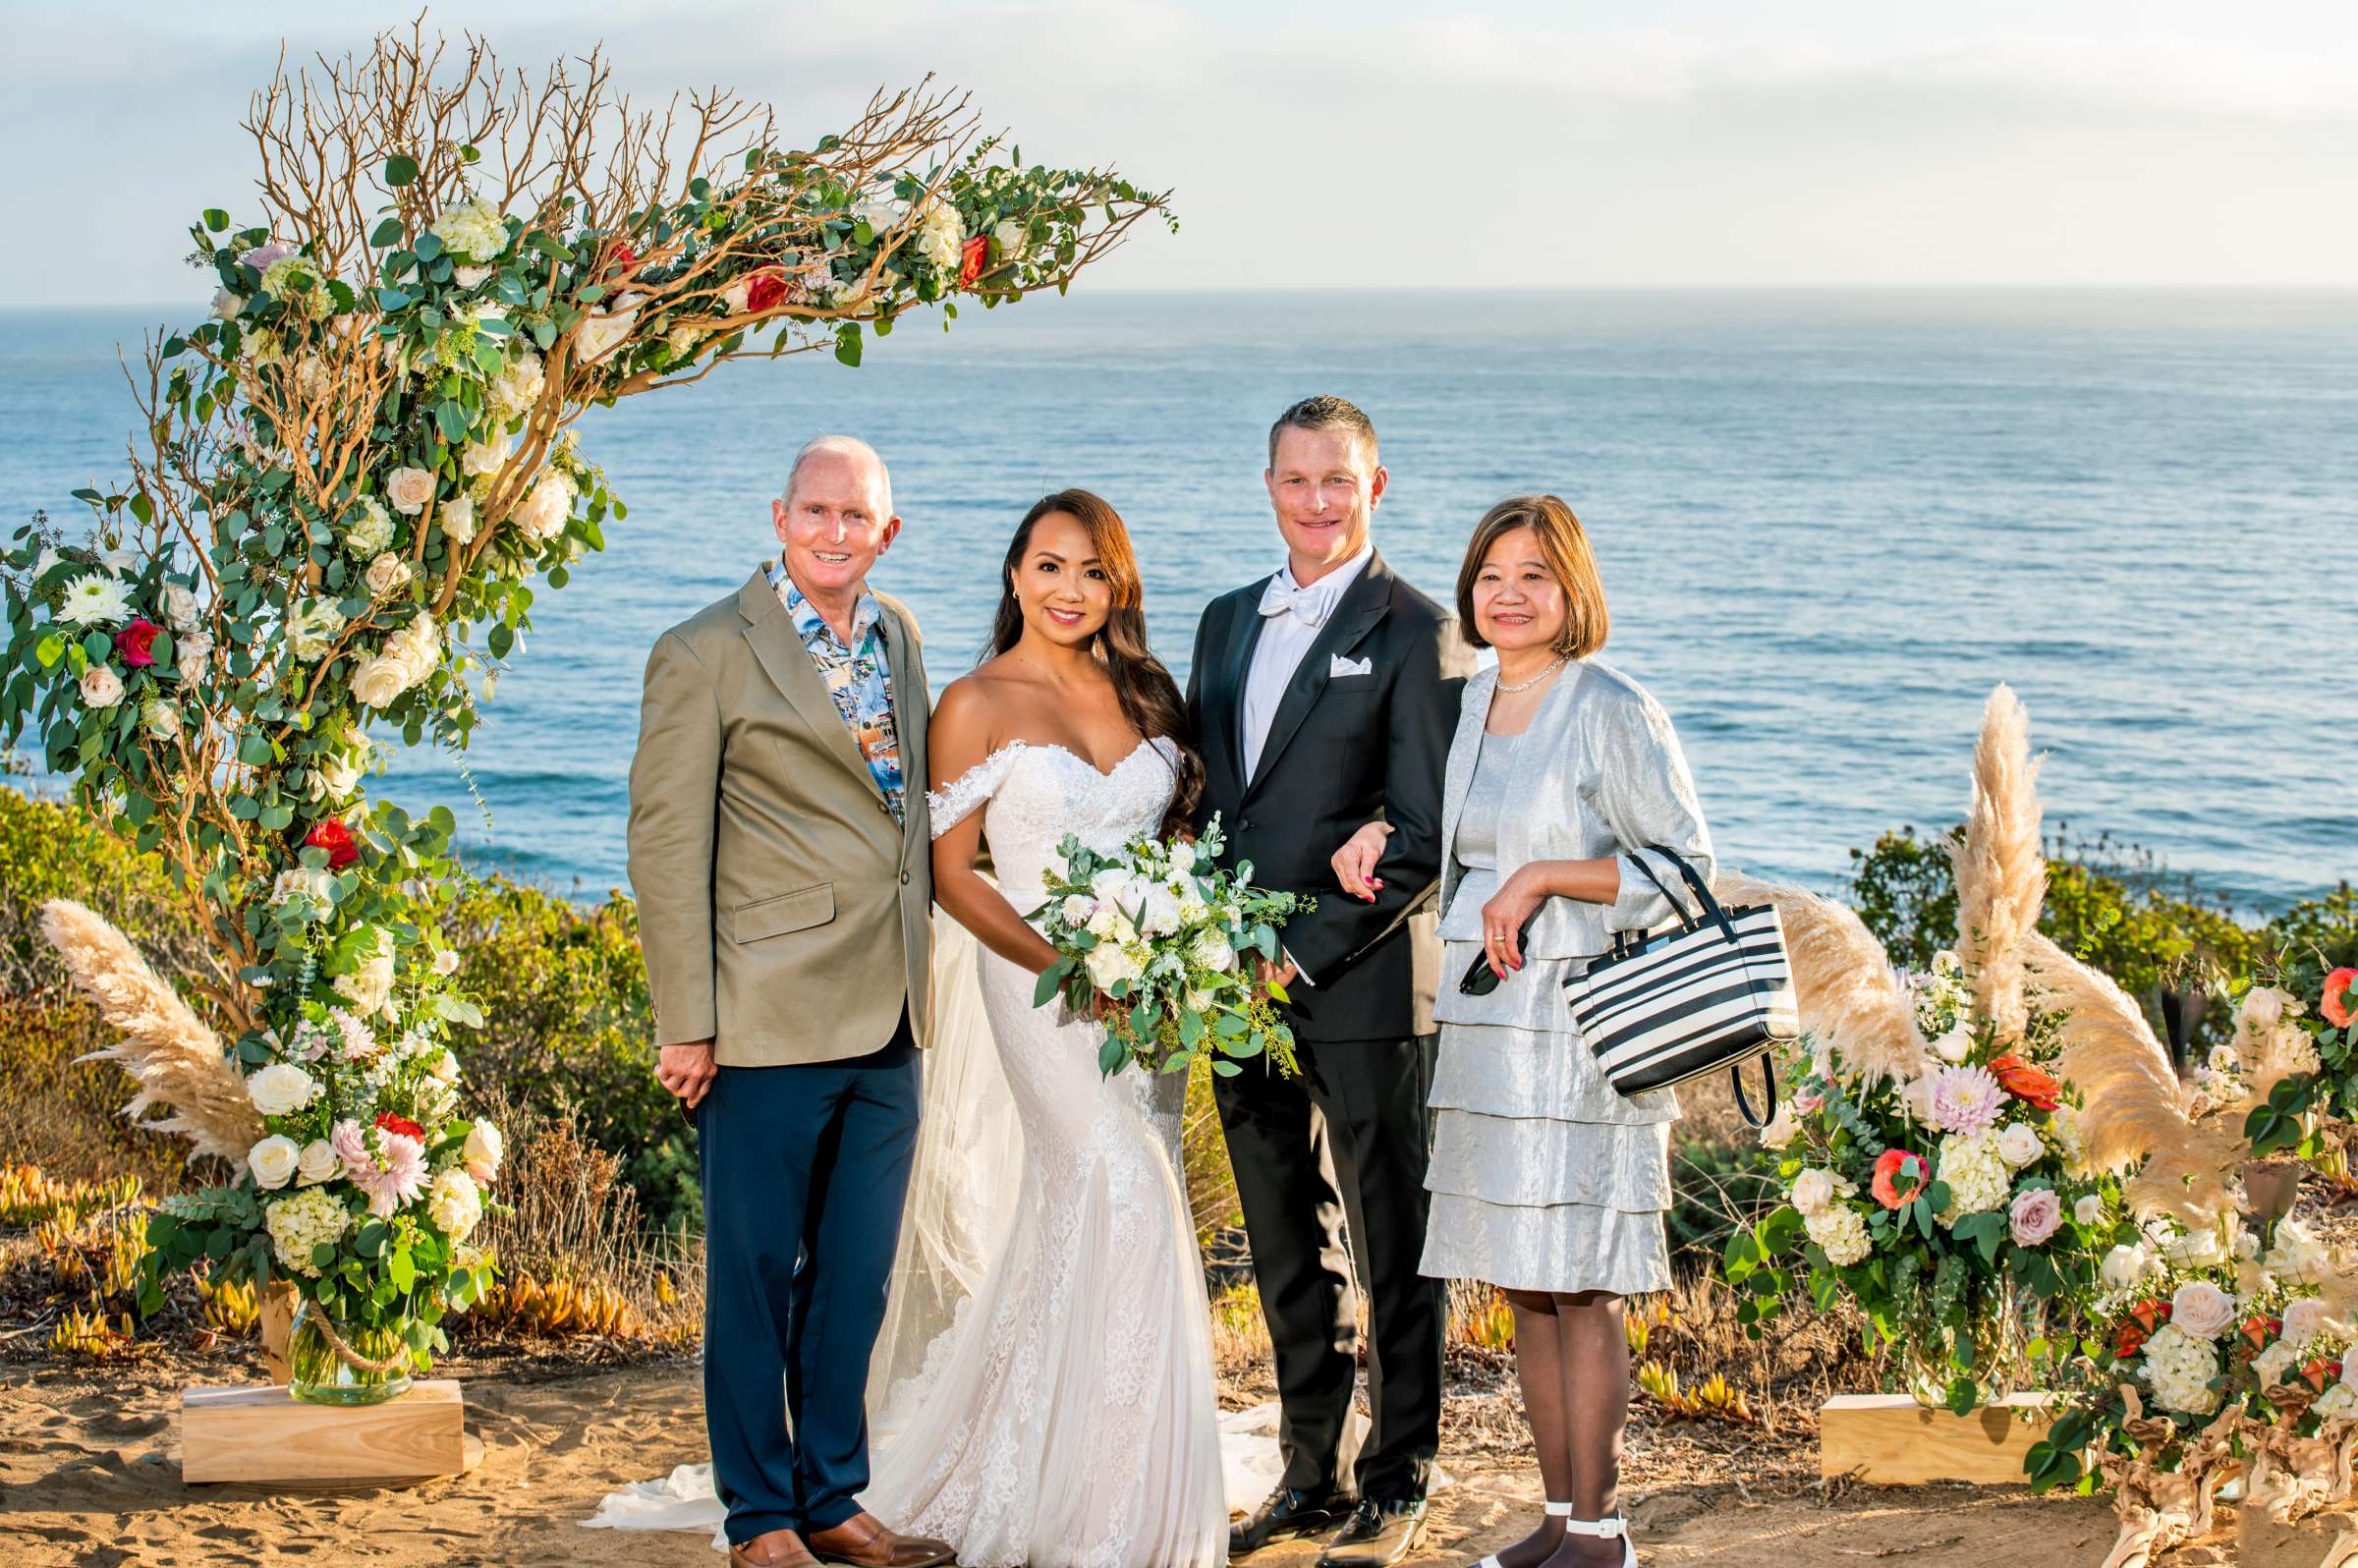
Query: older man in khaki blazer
[780, 853]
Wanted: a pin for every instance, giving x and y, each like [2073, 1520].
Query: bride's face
[1060, 584]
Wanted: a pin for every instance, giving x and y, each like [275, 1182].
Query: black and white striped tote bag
[1716, 991]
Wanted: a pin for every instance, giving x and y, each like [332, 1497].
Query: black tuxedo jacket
[1342, 751]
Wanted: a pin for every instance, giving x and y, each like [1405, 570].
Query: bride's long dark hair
[1150, 698]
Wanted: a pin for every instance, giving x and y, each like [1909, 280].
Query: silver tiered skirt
[1543, 1178]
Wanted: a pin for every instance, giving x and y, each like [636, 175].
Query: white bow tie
[1308, 606]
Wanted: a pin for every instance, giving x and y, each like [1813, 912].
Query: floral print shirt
[857, 677]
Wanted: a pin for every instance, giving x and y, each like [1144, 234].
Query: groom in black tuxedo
[1326, 695]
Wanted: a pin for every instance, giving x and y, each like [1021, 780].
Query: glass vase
[369, 1365]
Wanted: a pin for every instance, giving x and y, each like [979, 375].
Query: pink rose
[2036, 1216]
[2202, 1309]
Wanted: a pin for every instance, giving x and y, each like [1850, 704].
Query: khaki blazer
[784, 914]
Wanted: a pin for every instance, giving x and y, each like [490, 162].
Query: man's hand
[687, 1070]
[1266, 974]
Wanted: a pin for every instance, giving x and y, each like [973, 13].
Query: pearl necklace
[1524, 686]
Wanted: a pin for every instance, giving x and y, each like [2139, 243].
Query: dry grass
[575, 1257]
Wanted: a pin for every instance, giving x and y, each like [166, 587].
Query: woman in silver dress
[1545, 1181]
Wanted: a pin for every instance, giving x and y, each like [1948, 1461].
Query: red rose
[2032, 1086]
[136, 643]
[969, 261]
[390, 1122]
[763, 290]
[335, 838]
[1894, 1165]
[622, 258]
[2341, 988]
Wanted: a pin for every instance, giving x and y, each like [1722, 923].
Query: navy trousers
[804, 1171]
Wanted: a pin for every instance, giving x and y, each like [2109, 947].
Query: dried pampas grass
[2134, 1104]
[2002, 866]
[177, 1061]
[1849, 998]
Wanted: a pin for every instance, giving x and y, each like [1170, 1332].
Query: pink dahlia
[392, 1177]
[2035, 1216]
[1966, 1099]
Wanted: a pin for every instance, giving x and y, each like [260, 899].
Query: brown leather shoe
[864, 1542]
[776, 1549]
[1379, 1534]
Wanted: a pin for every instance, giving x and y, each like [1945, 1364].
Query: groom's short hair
[844, 446]
[1323, 413]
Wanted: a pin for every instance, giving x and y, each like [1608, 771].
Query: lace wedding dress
[1042, 1390]
[1067, 1417]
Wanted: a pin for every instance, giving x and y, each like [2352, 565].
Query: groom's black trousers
[1345, 1142]
[804, 1171]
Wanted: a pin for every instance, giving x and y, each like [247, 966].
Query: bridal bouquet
[1159, 928]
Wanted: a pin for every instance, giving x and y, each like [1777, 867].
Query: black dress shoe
[1377, 1535]
[1287, 1514]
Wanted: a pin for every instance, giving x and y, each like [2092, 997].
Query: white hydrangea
[313, 629]
[474, 229]
[1841, 1231]
[369, 529]
[1975, 1173]
[939, 237]
[2339, 1398]
[2177, 1366]
[299, 1223]
[454, 1205]
[517, 389]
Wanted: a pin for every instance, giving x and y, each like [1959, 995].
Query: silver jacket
[1598, 773]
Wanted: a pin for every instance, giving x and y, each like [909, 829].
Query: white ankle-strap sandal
[1554, 1510]
[1615, 1528]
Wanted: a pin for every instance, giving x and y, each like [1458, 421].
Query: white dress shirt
[1292, 618]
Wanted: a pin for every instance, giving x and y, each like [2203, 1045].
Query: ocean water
[1829, 523]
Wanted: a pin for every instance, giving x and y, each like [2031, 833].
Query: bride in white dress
[1068, 1416]
[1042, 1390]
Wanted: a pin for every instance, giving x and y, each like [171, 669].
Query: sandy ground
[89, 1475]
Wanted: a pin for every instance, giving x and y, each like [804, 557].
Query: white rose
[880, 213]
[2202, 1309]
[273, 1161]
[409, 489]
[318, 1163]
[2126, 1267]
[2019, 1145]
[543, 513]
[1955, 1045]
[486, 455]
[385, 574]
[1010, 237]
[445, 1068]
[457, 518]
[179, 607]
[191, 655]
[1109, 964]
[2197, 1248]
[102, 686]
[1814, 1190]
[597, 336]
[226, 305]
[484, 1150]
[2305, 1318]
[2262, 1009]
[2300, 1257]
[468, 277]
[2090, 1209]
[1782, 1130]
[280, 1088]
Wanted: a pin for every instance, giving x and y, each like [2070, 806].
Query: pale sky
[1676, 142]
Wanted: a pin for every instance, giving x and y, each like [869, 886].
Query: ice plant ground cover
[1160, 929]
[346, 484]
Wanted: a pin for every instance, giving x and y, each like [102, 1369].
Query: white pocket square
[1337, 667]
